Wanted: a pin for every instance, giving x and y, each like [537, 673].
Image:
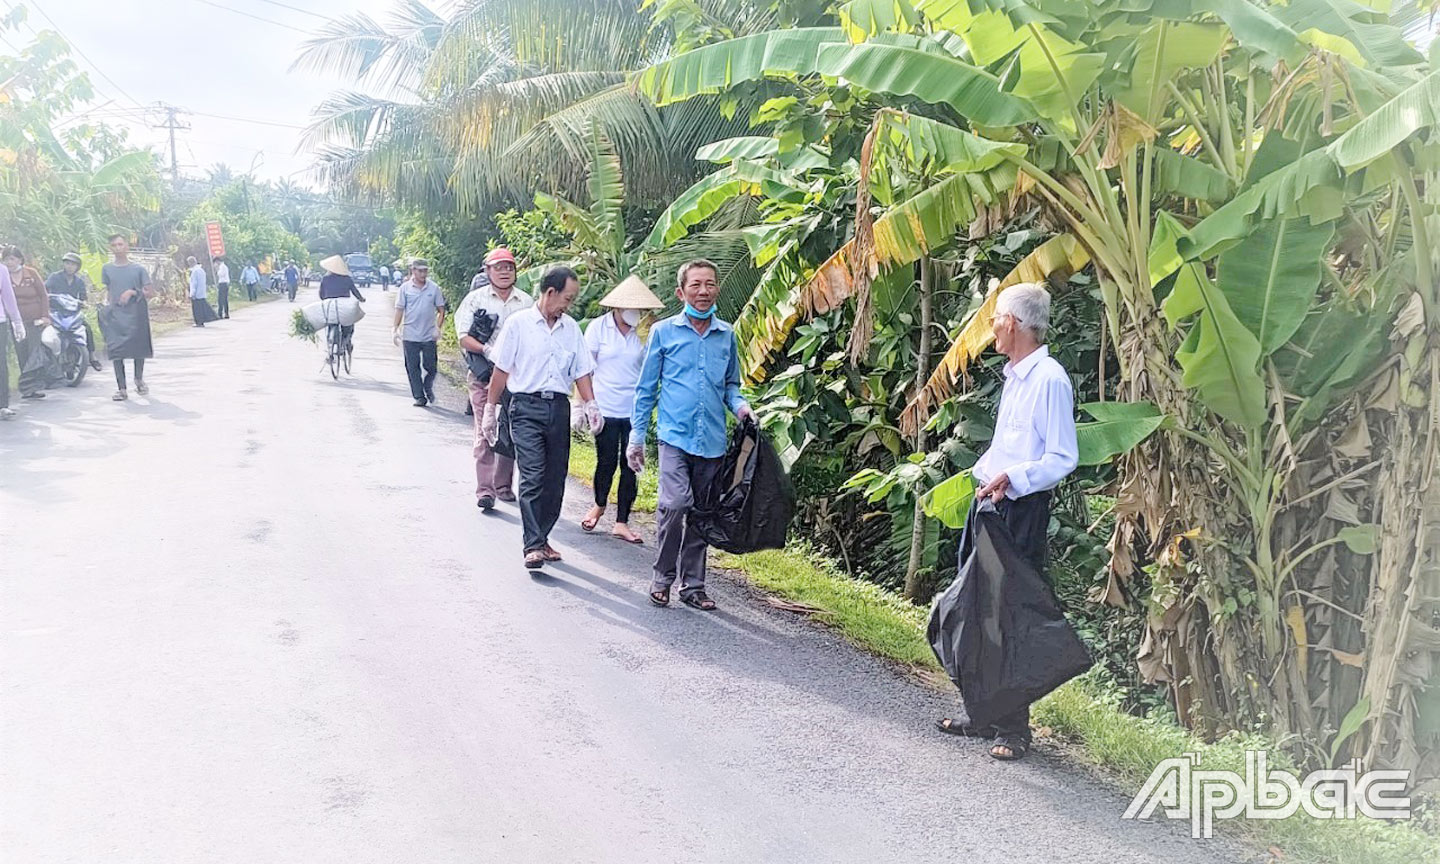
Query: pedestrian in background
[34, 306]
[222, 282]
[384, 278]
[692, 373]
[70, 280]
[419, 315]
[488, 306]
[12, 328]
[540, 356]
[250, 278]
[1033, 449]
[292, 280]
[199, 291]
[127, 288]
[614, 341]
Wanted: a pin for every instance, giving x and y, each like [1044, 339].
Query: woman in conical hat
[618, 344]
[337, 283]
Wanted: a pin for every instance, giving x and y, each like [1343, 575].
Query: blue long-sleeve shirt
[693, 378]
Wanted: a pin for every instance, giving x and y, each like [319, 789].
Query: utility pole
[172, 124]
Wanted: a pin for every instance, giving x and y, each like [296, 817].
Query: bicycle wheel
[347, 354]
[332, 339]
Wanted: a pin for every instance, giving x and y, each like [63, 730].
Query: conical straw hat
[335, 264]
[632, 293]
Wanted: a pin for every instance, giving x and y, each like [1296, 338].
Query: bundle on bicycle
[337, 312]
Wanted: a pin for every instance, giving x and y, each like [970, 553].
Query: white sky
[202, 58]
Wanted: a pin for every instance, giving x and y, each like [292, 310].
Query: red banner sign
[214, 240]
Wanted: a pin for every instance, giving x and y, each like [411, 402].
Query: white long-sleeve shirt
[1034, 443]
[197, 283]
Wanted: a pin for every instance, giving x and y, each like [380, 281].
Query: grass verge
[1125, 747]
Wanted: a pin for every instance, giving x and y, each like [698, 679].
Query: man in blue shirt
[292, 280]
[692, 371]
[250, 278]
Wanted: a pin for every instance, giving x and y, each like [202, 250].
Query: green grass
[876, 619]
[582, 468]
[1123, 746]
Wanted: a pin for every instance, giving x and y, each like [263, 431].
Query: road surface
[256, 617]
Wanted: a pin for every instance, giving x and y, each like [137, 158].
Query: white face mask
[630, 316]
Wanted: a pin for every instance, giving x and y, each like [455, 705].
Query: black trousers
[1028, 519]
[250, 290]
[224, 310]
[418, 355]
[120, 371]
[610, 447]
[541, 430]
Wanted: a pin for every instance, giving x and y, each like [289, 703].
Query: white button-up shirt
[222, 273]
[486, 299]
[618, 357]
[540, 358]
[1034, 443]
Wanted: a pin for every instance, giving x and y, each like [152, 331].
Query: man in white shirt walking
[1033, 449]
[500, 299]
[222, 282]
[541, 355]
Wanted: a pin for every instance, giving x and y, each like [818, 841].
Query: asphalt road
[256, 617]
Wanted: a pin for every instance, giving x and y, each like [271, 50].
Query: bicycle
[340, 348]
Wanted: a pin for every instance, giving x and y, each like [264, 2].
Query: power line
[251, 15]
[247, 119]
[78, 50]
[297, 9]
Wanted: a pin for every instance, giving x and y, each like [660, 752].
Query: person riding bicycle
[337, 283]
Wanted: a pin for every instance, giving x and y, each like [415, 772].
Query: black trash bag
[749, 504]
[482, 329]
[998, 630]
[42, 367]
[505, 443]
[126, 327]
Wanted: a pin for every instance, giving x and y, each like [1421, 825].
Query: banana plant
[1245, 179]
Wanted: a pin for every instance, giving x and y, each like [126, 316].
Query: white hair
[1029, 304]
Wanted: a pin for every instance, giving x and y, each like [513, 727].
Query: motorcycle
[63, 352]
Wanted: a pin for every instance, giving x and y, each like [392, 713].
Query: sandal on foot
[534, 559]
[660, 598]
[1017, 746]
[952, 727]
[633, 538]
[698, 600]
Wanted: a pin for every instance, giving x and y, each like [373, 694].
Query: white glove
[635, 456]
[593, 416]
[490, 423]
[744, 413]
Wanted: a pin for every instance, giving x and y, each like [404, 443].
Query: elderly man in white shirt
[494, 473]
[540, 356]
[1033, 449]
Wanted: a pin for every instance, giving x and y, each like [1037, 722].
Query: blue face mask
[696, 313]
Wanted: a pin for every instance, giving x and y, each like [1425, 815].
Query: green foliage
[531, 235]
[252, 234]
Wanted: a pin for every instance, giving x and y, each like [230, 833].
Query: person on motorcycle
[337, 283]
[69, 280]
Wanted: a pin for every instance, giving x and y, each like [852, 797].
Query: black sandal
[1017, 745]
[699, 600]
[660, 598]
[950, 727]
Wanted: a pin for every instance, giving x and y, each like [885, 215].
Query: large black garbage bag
[482, 330]
[505, 443]
[748, 506]
[41, 369]
[998, 629]
[126, 327]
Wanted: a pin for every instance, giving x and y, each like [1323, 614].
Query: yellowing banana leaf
[1059, 257]
[864, 18]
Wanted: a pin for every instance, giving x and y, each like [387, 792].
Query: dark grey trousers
[540, 429]
[421, 368]
[682, 552]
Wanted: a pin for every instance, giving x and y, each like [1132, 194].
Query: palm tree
[495, 102]
[220, 174]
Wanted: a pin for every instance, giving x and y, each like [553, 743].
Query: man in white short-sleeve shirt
[540, 356]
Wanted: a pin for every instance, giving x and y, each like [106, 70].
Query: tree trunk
[913, 588]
